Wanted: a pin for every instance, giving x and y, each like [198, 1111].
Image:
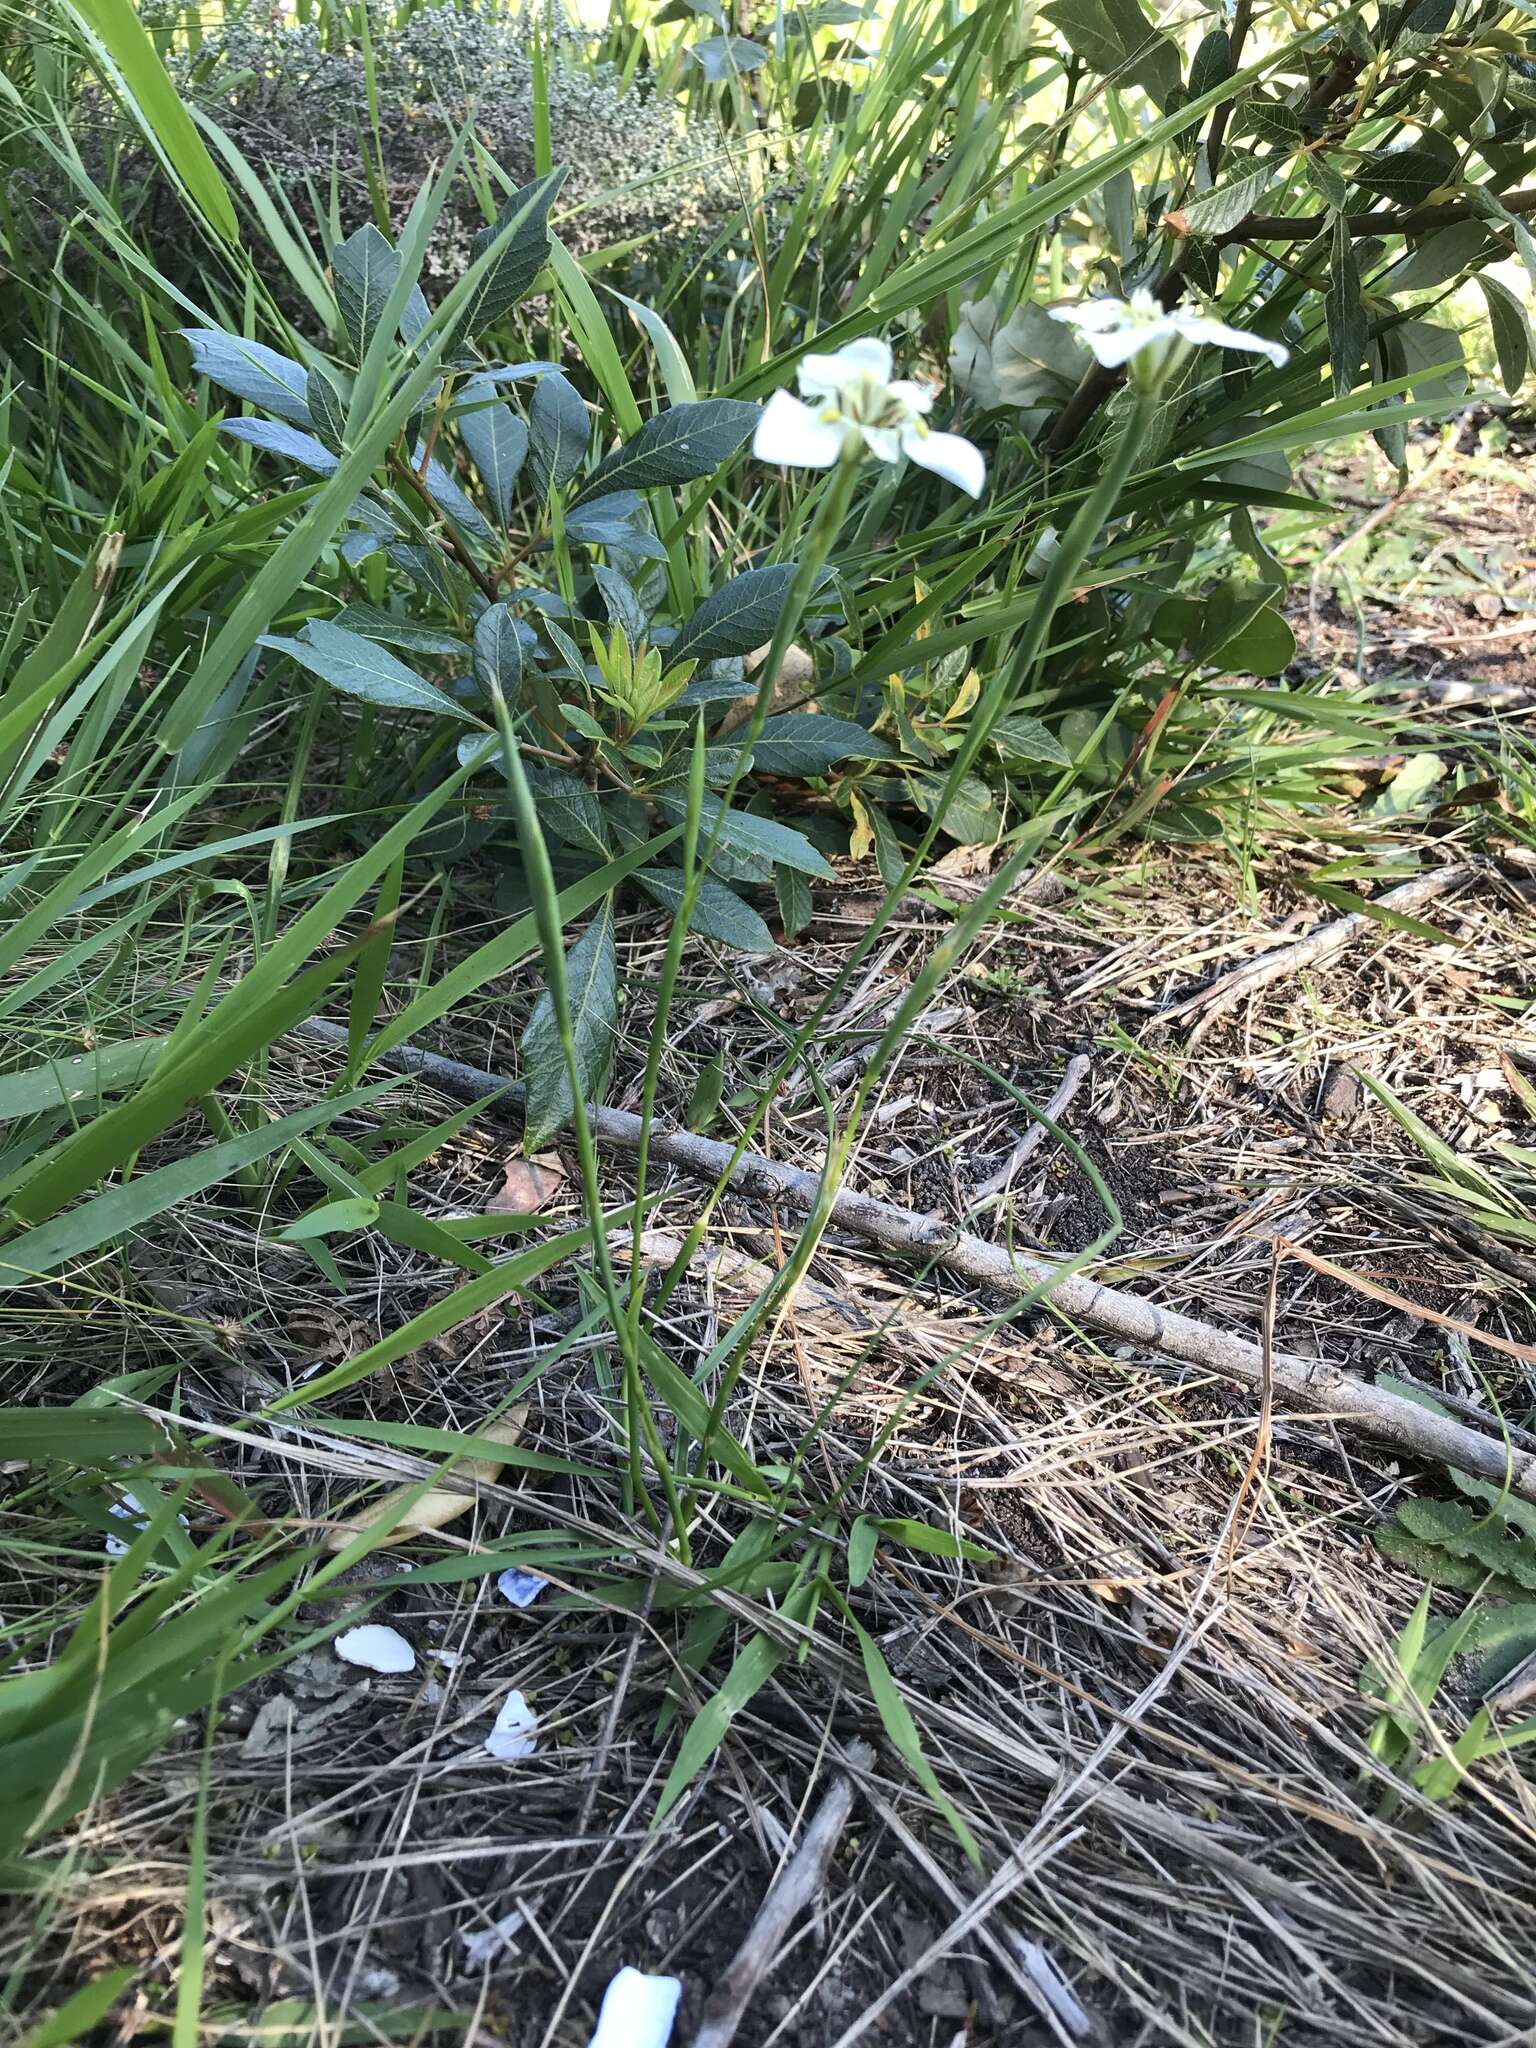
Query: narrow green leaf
[499, 652]
[794, 894]
[751, 1671]
[1344, 305]
[521, 234]
[718, 913]
[810, 742]
[325, 407]
[366, 267]
[902, 1730]
[81, 2013]
[374, 623]
[863, 1542]
[361, 668]
[674, 446]
[559, 434]
[250, 370]
[738, 618]
[1217, 213]
[1211, 63]
[1026, 739]
[1410, 174]
[48, 1246]
[115, 26]
[78, 1077]
[290, 444]
[592, 980]
[497, 441]
[1511, 332]
[761, 842]
[332, 1219]
[83, 1436]
[508, 1276]
[1115, 38]
[675, 373]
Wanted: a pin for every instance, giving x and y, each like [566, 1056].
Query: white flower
[855, 400]
[1118, 331]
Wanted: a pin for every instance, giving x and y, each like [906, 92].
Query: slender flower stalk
[1075, 546]
[825, 528]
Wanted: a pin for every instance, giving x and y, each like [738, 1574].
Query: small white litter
[375, 1648]
[516, 1726]
[521, 1588]
[131, 1509]
[483, 1945]
[638, 2011]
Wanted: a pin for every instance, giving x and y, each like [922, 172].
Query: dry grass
[1146, 1706]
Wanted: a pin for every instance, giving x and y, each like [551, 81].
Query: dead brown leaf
[796, 673]
[441, 1504]
[528, 1186]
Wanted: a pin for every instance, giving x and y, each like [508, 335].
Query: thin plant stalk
[641, 1423]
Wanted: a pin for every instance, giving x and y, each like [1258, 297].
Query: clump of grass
[204, 849]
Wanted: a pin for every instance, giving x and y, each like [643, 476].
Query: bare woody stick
[796, 1887]
[1321, 943]
[1309, 1383]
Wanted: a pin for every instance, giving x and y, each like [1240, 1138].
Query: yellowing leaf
[861, 841]
[969, 691]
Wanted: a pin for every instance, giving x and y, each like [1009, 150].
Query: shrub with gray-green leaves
[327, 125]
[501, 556]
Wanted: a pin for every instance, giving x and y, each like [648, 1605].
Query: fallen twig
[795, 1887]
[1077, 1071]
[1321, 943]
[1526, 1353]
[1452, 691]
[1310, 1383]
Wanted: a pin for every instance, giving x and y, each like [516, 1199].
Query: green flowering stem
[825, 527]
[1076, 545]
[544, 893]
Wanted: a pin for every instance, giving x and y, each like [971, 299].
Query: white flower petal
[820, 376]
[376, 1648]
[1116, 345]
[791, 433]
[950, 456]
[521, 1588]
[483, 1945]
[1045, 550]
[512, 1738]
[1196, 328]
[884, 443]
[132, 1509]
[638, 2011]
[1094, 316]
[915, 397]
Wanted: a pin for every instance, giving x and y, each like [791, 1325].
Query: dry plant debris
[1147, 1706]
